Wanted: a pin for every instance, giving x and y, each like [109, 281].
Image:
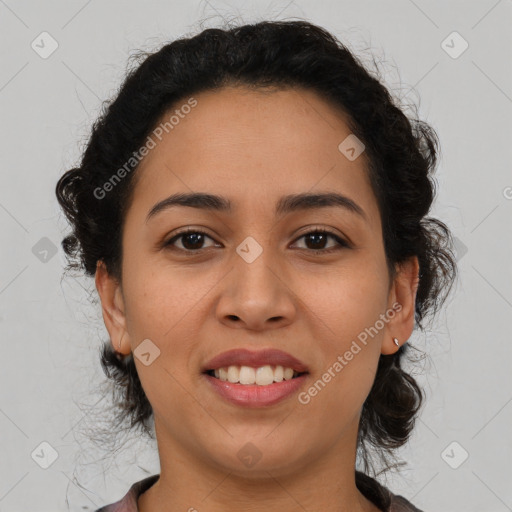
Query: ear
[112, 305]
[402, 299]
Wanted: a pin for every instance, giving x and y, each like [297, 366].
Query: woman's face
[254, 281]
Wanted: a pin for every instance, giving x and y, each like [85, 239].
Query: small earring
[396, 342]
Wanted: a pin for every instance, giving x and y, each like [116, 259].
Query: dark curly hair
[402, 154]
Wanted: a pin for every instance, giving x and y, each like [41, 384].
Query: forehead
[252, 145]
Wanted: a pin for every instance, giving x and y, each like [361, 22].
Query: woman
[253, 208]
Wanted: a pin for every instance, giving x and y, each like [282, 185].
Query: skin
[253, 147]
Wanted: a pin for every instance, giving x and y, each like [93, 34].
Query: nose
[255, 295]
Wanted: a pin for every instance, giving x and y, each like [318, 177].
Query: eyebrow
[286, 204]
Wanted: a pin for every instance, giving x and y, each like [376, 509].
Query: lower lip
[253, 395]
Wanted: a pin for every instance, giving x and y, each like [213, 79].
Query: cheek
[349, 300]
[342, 397]
[168, 308]
[347, 306]
[344, 379]
[165, 308]
[157, 298]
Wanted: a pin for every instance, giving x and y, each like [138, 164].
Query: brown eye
[191, 240]
[318, 238]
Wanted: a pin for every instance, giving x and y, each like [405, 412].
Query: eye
[319, 236]
[192, 240]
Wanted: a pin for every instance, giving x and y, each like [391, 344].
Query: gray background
[50, 331]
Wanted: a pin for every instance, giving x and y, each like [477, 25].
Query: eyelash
[341, 243]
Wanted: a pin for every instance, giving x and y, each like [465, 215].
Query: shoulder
[381, 496]
[128, 503]
[400, 504]
[372, 489]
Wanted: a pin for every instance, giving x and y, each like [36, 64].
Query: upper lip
[244, 357]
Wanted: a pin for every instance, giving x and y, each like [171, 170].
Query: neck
[192, 483]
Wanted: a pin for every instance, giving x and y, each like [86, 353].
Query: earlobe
[112, 305]
[403, 292]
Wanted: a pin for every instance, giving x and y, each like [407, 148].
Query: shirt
[129, 502]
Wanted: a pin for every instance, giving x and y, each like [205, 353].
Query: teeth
[261, 376]
[247, 375]
[288, 373]
[233, 374]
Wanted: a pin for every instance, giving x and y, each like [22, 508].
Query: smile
[246, 375]
[255, 387]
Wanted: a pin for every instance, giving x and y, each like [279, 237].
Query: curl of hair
[401, 153]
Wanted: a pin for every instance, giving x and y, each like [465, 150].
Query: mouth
[260, 376]
[263, 367]
[255, 387]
